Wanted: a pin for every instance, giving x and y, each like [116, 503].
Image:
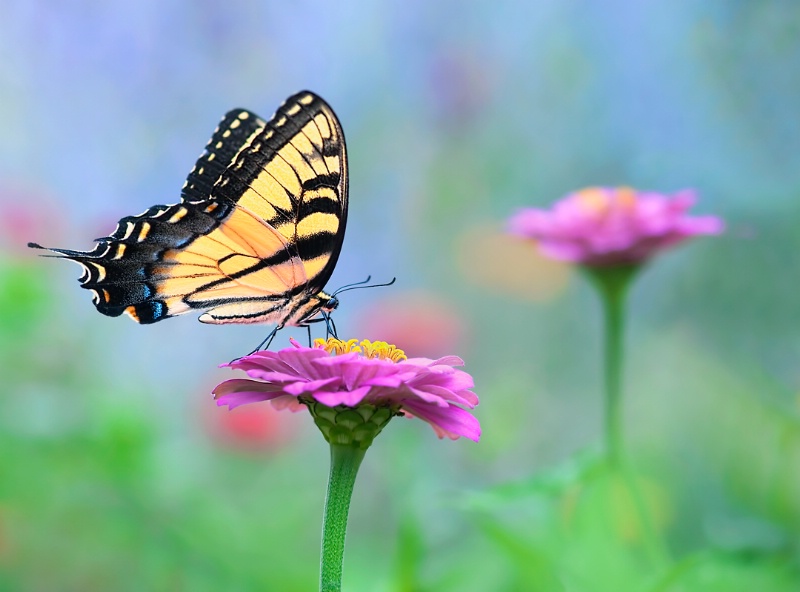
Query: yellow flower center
[599, 201]
[367, 348]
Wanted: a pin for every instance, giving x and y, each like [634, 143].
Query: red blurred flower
[254, 428]
[28, 214]
[425, 324]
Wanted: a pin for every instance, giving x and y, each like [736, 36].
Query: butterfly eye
[331, 305]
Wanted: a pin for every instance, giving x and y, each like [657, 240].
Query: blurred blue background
[118, 472]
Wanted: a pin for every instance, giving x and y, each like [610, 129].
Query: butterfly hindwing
[255, 244]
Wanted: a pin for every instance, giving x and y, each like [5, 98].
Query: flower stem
[613, 282]
[345, 461]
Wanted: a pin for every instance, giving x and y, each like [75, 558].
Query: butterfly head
[331, 304]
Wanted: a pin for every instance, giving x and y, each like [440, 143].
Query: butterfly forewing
[255, 237]
[294, 176]
[236, 130]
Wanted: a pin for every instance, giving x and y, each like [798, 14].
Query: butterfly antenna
[354, 284]
[360, 285]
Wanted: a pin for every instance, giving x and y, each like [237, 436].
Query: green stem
[613, 283]
[345, 461]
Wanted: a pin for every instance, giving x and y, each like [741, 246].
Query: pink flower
[603, 227]
[255, 429]
[360, 376]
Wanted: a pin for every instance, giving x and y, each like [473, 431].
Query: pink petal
[349, 398]
[451, 421]
[299, 387]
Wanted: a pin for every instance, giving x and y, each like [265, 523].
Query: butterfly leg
[330, 326]
[267, 341]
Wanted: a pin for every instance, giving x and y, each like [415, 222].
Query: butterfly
[255, 237]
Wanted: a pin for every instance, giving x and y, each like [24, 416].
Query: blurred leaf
[717, 571]
[24, 300]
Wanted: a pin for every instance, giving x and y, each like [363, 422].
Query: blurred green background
[117, 472]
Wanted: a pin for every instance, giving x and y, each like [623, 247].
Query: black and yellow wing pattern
[255, 237]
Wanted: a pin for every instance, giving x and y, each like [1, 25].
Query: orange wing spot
[106, 295]
[143, 232]
[120, 253]
[178, 215]
[211, 207]
[131, 312]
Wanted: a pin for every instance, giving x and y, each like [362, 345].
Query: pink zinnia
[361, 376]
[602, 227]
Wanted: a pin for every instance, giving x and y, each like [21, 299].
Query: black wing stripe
[220, 152]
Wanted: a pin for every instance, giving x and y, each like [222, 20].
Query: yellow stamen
[367, 348]
[599, 201]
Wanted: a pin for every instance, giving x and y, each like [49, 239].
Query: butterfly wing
[235, 131]
[255, 245]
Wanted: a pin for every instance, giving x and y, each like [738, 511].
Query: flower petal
[236, 392]
[299, 387]
[604, 226]
[450, 421]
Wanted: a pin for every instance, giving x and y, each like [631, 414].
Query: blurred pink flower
[29, 213]
[426, 325]
[603, 227]
[251, 429]
[366, 374]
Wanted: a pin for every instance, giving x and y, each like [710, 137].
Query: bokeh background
[117, 472]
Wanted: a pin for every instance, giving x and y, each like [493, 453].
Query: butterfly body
[255, 237]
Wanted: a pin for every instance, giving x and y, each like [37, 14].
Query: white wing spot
[128, 230]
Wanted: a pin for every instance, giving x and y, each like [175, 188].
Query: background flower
[602, 226]
[256, 428]
[426, 324]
